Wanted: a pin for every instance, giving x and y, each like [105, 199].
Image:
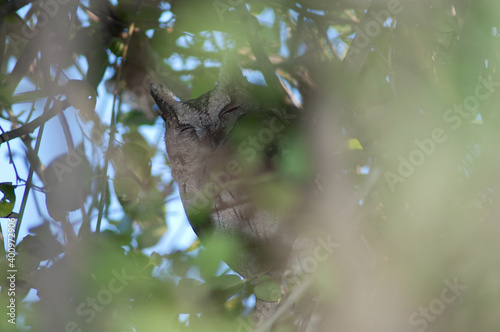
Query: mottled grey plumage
[218, 173]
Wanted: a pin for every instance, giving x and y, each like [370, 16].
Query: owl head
[199, 129]
[208, 118]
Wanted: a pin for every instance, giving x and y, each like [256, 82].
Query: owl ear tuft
[165, 100]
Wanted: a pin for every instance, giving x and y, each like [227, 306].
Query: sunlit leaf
[9, 199]
[117, 46]
[353, 144]
[195, 245]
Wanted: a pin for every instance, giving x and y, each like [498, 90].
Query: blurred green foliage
[426, 202]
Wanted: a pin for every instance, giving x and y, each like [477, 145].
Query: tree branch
[28, 128]
[267, 68]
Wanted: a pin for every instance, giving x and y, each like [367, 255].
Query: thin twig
[112, 130]
[67, 132]
[30, 153]
[11, 160]
[30, 178]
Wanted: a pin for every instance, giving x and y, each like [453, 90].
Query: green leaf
[267, 289]
[43, 245]
[257, 8]
[36, 248]
[200, 15]
[9, 199]
[215, 250]
[191, 295]
[147, 12]
[225, 286]
[134, 157]
[117, 46]
[126, 189]
[354, 144]
[155, 259]
[294, 161]
[67, 183]
[150, 236]
[137, 118]
[204, 80]
[163, 42]
[228, 282]
[80, 95]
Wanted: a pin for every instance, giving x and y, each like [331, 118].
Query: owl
[223, 148]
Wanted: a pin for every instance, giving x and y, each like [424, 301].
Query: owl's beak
[216, 137]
